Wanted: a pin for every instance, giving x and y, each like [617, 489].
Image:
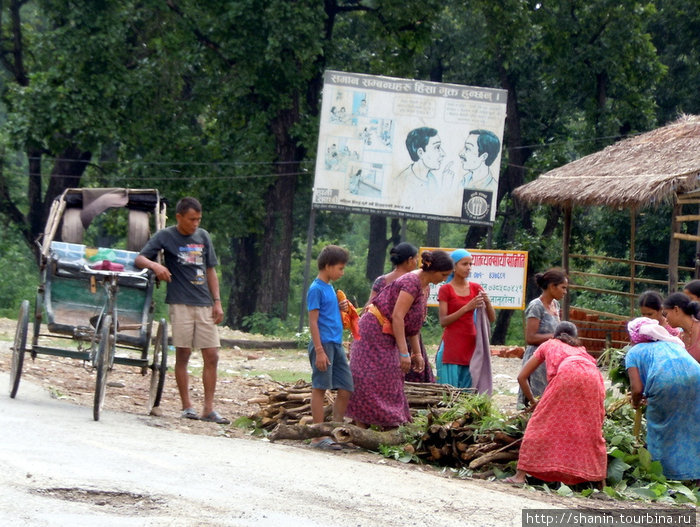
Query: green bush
[20, 275]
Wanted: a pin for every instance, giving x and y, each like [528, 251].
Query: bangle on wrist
[217, 300]
[405, 355]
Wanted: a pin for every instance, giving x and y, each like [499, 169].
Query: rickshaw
[94, 295]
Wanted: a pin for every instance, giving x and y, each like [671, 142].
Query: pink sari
[564, 438]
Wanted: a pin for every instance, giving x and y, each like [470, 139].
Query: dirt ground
[243, 375]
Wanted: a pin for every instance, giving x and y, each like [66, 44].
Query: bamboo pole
[566, 240]
[637, 423]
[599, 290]
[673, 249]
[633, 252]
[625, 260]
[620, 278]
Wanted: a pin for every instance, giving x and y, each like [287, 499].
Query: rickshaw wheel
[18, 347]
[102, 361]
[159, 367]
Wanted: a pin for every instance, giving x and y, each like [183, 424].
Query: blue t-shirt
[322, 296]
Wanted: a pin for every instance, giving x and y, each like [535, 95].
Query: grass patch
[283, 376]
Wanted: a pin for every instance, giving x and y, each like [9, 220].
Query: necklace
[687, 336]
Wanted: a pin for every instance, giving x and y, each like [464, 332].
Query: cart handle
[143, 273]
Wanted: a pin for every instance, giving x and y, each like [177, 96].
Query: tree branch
[201, 37]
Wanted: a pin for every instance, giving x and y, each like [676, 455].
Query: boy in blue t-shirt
[329, 364]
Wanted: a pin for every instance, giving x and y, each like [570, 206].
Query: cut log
[490, 457]
[341, 432]
[299, 432]
[366, 438]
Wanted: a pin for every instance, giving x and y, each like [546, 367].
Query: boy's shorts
[193, 327]
[338, 375]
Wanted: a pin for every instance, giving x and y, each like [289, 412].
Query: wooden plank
[688, 217]
[624, 260]
[621, 278]
[687, 237]
[599, 290]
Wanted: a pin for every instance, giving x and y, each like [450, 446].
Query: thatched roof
[640, 171]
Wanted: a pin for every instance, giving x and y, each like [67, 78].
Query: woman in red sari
[564, 438]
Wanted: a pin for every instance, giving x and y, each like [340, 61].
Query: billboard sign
[409, 148]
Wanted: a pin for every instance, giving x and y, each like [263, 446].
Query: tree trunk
[511, 178]
[244, 279]
[500, 330]
[276, 249]
[432, 236]
[67, 172]
[475, 235]
[376, 254]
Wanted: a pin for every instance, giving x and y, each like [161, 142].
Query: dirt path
[62, 468]
[243, 375]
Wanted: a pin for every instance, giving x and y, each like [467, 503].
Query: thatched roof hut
[660, 166]
[643, 170]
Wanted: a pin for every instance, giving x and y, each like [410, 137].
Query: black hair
[436, 261]
[551, 276]
[693, 287]
[402, 252]
[688, 306]
[566, 332]
[332, 255]
[487, 142]
[418, 139]
[186, 204]
[651, 299]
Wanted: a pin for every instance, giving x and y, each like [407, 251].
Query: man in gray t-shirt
[193, 299]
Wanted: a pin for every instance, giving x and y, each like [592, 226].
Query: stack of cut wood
[461, 444]
[291, 404]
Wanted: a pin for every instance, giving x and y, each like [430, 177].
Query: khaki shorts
[193, 327]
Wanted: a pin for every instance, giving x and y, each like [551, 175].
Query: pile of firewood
[292, 404]
[463, 444]
[457, 441]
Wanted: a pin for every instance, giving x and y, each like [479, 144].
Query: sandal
[189, 413]
[511, 480]
[326, 444]
[214, 417]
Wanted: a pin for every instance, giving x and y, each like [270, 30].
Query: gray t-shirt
[187, 258]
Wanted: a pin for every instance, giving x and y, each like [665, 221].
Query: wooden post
[307, 265]
[696, 275]
[673, 248]
[566, 239]
[633, 258]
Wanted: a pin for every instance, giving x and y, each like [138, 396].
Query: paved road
[59, 467]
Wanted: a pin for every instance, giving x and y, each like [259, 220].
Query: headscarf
[457, 255]
[644, 329]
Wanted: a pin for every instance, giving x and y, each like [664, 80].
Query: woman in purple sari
[404, 258]
[381, 358]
